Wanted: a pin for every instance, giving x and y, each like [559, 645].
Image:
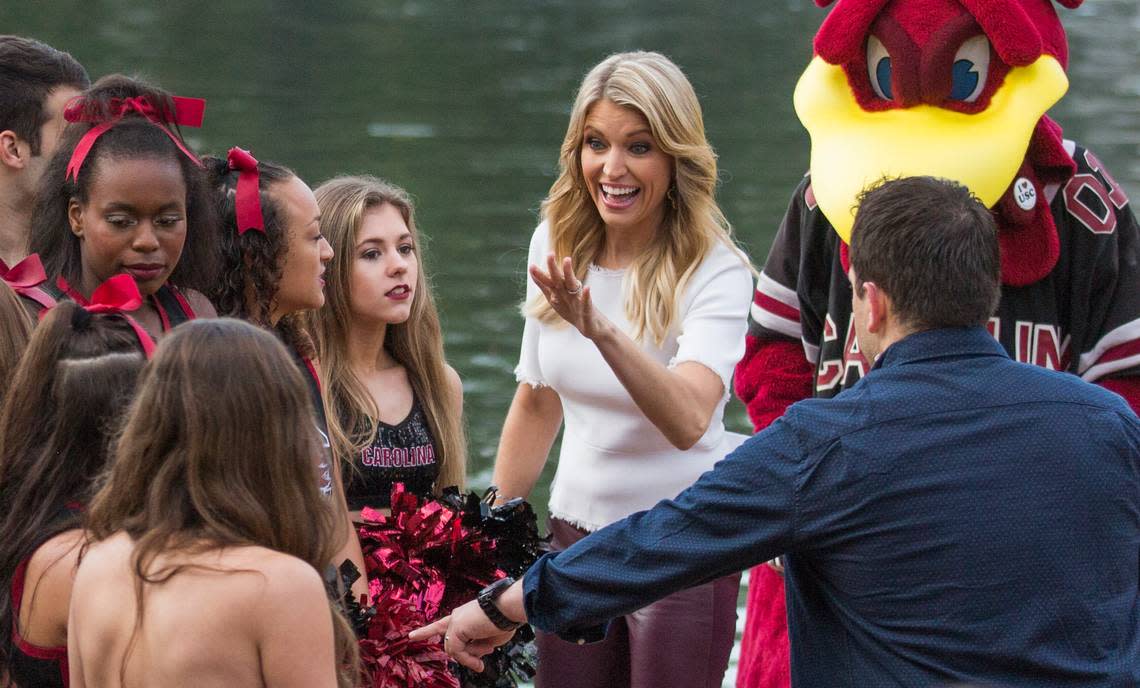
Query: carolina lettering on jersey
[833, 374]
[397, 457]
[1039, 344]
[1083, 317]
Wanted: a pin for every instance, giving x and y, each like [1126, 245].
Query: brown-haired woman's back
[233, 617]
[209, 532]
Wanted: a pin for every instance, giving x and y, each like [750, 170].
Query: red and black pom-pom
[428, 557]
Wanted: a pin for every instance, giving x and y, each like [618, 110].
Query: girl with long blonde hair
[396, 406]
[209, 532]
[635, 318]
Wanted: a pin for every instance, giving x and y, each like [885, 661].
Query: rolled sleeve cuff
[549, 613]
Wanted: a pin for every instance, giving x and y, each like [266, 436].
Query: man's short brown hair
[932, 246]
[29, 72]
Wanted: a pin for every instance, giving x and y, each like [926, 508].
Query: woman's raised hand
[568, 296]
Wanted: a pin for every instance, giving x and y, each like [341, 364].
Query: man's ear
[878, 307]
[14, 151]
[75, 217]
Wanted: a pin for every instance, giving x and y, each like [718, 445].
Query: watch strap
[486, 599]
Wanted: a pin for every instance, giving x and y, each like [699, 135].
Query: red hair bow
[247, 201]
[119, 294]
[26, 274]
[187, 112]
[25, 279]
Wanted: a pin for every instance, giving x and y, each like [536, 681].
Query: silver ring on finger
[575, 290]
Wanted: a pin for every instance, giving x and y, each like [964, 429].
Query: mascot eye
[879, 68]
[971, 65]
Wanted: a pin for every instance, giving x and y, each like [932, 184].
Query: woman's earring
[671, 194]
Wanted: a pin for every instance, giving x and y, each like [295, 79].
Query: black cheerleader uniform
[401, 453]
[313, 382]
[172, 307]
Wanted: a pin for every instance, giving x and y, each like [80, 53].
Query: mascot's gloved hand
[772, 376]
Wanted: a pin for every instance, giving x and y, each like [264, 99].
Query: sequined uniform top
[404, 452]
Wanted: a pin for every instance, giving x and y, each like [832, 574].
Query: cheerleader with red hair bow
[124, 194]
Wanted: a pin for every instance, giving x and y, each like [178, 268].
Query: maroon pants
[681, 641]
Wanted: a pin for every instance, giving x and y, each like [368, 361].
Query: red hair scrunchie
[247, 202]
[120, 295]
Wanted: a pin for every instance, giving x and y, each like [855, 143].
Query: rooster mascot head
[947, 88]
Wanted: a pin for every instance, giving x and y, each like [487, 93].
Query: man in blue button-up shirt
[955, 516]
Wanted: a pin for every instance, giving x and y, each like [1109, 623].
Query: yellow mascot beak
[852, 148]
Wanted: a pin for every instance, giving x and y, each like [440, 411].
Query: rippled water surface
[465, 104]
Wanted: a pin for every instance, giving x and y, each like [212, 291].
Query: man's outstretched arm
[736, 515]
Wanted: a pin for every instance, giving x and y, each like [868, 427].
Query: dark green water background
[465, 105]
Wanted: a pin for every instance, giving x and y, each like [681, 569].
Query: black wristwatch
[486, 599]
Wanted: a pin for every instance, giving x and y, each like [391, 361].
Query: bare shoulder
[455, 383]
[105, 557]
[288, 569]
[283, 575]
[60, 549]
[105, 569]
[52, 566]
[201, 305]
[294, 625]
[291, 592]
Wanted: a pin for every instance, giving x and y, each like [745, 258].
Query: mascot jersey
[1083, 317]
[955, 89]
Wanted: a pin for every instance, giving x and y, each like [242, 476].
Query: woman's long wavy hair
[218, 451]
[416, 344]
[250, 264]
[132, 137]
[650, 84]
[64, 402]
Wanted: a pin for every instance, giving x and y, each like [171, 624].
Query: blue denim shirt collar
[940, 343]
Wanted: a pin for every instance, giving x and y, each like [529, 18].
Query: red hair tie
[119, 295]
[247, 201]
[26, 274]
[187, 112]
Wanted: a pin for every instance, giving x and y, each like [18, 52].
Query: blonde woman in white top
[635, 317]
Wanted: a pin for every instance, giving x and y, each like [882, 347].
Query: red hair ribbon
[247, 201]
[188, 112]
[26, 274]
[119, 294]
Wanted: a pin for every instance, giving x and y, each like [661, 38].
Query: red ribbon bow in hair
[247, 201]
[188, 112]
[25, 279]
[119, 294]
[26, 274]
